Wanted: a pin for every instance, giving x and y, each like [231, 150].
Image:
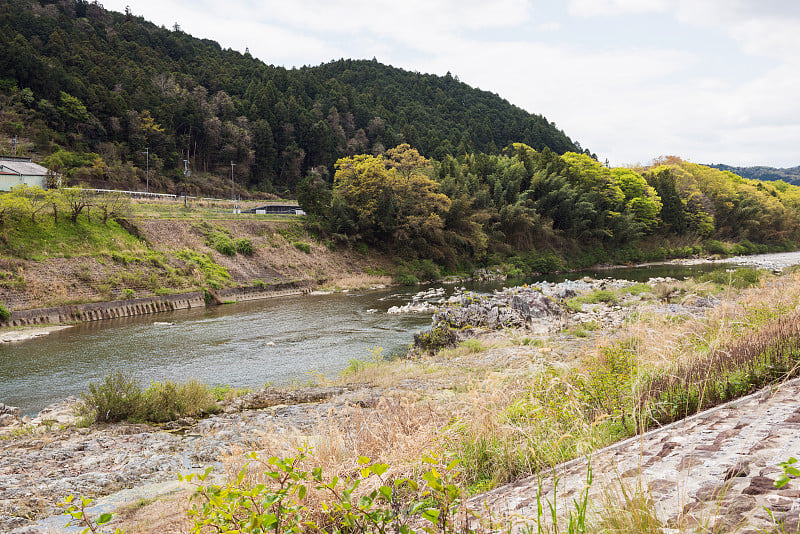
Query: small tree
[34, 197]
[111, 205]
[77, 199]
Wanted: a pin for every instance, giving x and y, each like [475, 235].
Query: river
[277, 341]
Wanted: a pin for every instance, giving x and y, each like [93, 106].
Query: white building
[16, 171]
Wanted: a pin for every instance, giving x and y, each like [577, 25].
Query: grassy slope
[47, 264]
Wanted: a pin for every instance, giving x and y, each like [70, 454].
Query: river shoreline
[41, 463]
[39, 321]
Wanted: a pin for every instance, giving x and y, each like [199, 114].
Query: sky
[711, 81]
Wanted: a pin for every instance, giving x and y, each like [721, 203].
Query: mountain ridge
[84, 79]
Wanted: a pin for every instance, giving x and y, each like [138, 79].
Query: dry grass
[167, 515]
[356, 282]
[505, 422]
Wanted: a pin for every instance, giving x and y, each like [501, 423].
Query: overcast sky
[712, 81]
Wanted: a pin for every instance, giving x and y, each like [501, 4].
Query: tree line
[480, 208]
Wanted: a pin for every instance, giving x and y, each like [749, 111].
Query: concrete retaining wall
[241, 294]
[106, 310]
[142, 306]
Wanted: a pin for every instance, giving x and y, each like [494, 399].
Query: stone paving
[712, 472]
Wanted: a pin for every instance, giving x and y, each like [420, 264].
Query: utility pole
[186, 174]
[147, 155]
[233, 195]
[15, 142]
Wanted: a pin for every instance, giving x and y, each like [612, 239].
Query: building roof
[26, 168]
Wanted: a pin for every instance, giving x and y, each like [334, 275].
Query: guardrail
[143, 194]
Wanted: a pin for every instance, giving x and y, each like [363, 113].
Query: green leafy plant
[5, 315]
[244, 246]
[789, 472]
[282, 502]
[76, 509]
[302, 247]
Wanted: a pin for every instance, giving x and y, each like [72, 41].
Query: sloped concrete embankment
[711, 472]
[98, 311]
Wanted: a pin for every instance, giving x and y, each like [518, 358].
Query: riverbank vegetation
[513, 403]
[537, 211]
[120, 398]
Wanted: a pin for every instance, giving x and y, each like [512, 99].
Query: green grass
[595, 297]
[216, 276]
[121, 398]
[44, 239]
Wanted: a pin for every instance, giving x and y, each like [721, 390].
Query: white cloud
[593, 8]
[549, 27]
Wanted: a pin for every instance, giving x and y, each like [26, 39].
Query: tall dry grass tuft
[627, 507]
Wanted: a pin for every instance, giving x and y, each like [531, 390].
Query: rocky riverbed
[46, 458]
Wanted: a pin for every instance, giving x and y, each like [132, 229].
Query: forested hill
[790, 175]
[94, 89]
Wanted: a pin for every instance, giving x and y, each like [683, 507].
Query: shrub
[120, 398]
[244, 246]
[5, 315]
[437, 338]
[302, 247]
[713, 246]
[168, 401]
[127, 293]
[117, 398]
[406, 279]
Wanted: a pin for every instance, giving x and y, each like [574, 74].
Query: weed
[244, 246]
[80, 518]
[739, 278]
[302, 247]
[226, 392]
[5, 315]
[168, 401]
[472, 345]
[216, 276]
[221, 242]
[294, 498]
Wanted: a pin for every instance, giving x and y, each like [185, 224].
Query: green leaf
[379, 469]
[453, 464]
[363, 460]
[781, 481]
[103, 519]
[301, 491]
[386, 491]
[431, 514]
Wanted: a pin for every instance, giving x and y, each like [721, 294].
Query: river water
[276, 341]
